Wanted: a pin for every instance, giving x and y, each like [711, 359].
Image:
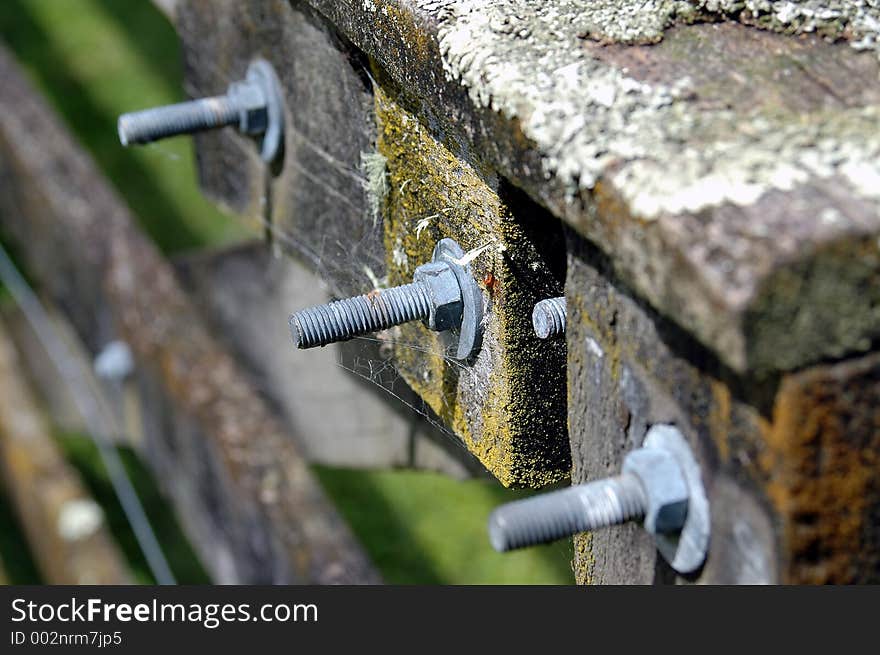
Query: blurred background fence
[95, 59]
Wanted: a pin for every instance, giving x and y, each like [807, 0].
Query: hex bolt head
[249, 101]
[666, 490]
[254, 105]
[443, 294]
[660, 483]
[548, 318]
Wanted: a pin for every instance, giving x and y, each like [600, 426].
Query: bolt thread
[548, 318]
[548, 517]
[345, 319]
[183, 118]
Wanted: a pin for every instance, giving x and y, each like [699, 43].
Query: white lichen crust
[592, 121]
[640, 21]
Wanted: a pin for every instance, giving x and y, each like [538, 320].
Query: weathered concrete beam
[315, 202]
[728, 173]
[722, 185]
[65, 527]
[724, 171]
[508, 406]
[249, 502]
[363, 194]
[789, 464]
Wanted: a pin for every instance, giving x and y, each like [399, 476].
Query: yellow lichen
[584, 562]
[435, 194]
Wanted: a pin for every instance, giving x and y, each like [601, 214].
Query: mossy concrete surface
[684, 160]
[789, 464]
[361, 196]
[508, 404]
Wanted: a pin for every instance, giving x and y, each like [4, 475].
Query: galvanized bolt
[548, 318]
[253, 104]
[559, 514]
[660, 484]
[443, 294]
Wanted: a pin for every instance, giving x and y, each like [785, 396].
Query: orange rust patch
[822, 461]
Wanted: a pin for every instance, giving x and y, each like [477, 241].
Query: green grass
[426, 528]
[95, 59]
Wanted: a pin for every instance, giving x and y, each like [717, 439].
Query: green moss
[809, 305]
[374, 169]
[584, 561]
[518, 435]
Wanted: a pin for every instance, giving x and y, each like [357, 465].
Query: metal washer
[261, 72]
[687, 550]
[470, 334]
